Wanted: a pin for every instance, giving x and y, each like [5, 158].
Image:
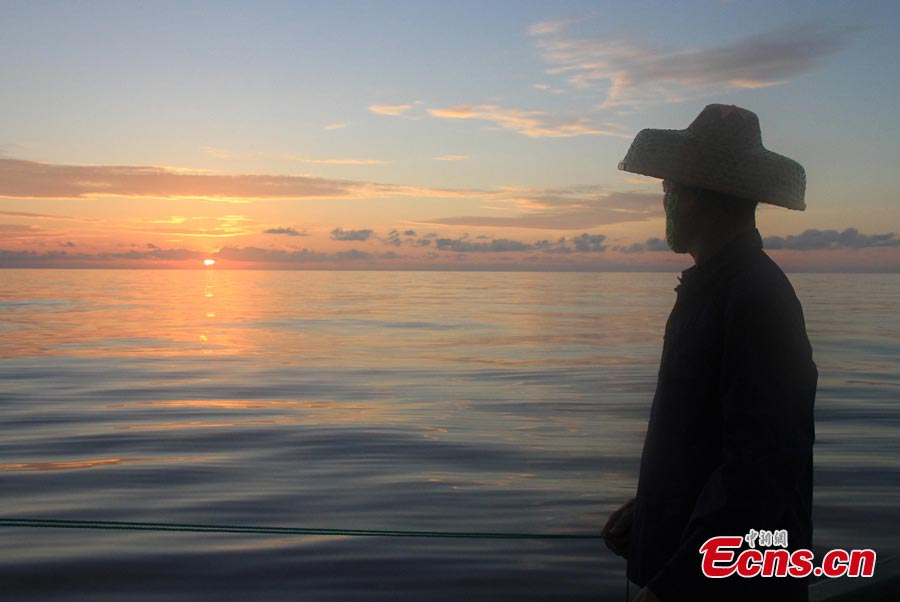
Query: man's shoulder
[756, 269]
[757, 279]
[761, 294]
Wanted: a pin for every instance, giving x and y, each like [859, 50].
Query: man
[729, 442]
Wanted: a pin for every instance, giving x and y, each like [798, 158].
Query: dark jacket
[730, 438]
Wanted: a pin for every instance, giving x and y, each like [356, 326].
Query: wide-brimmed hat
[721, 150]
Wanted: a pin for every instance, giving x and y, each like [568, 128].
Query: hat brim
[681, 156]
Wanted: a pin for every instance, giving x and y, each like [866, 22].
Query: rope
[50, 523]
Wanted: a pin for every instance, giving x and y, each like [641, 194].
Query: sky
[427, 135]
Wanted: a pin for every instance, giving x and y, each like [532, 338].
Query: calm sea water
[377, 400]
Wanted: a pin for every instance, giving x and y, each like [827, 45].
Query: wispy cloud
[17, 228]
[336, 126]
[564, 209]
[32, 179]
[299, 159]
[548, 88]
[452, 158]
[546, 28]
[222, 226]
[373, 190]
[44, 216]
[531, 123]
[393, 110]
[635, 74]
[172, 219]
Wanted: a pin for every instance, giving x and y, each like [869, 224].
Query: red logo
[720, 559]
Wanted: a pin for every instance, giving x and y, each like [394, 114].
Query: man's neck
[711, 242]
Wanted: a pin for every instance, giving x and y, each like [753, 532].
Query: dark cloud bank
[458, 248]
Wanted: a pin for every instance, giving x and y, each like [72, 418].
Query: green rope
[135, 526]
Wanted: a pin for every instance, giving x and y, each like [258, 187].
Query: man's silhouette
[729, 442]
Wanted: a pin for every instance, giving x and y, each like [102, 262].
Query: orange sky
[168, 141]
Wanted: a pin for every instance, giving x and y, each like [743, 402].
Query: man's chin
[677, 247]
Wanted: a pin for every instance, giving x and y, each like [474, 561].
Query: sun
[209, 262]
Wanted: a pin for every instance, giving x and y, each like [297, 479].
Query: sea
[470, 402]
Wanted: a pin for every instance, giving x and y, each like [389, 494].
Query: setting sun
[209, 262]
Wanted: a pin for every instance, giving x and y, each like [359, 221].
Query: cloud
[653, 245]
[31, 179]
[531, 123]
[451, 158]
[545, 28]
[498, 245]
[407, 238]
[157, 253]
[831, 239]
[397, 238]
[14, 228]
[393, 110]
[286, 231]
[548, 88]
[172, 219]
[564, 209]
[583, 243]
[637, 75]
[589, 243]
[354, 235]
[336, 126]
[372, 190]
[222, 226]
[45, 216]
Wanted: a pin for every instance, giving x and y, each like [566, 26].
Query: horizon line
[487, 268]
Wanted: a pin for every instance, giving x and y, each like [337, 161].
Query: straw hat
[721, 150]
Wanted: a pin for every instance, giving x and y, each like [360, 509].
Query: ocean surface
[438, 401]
